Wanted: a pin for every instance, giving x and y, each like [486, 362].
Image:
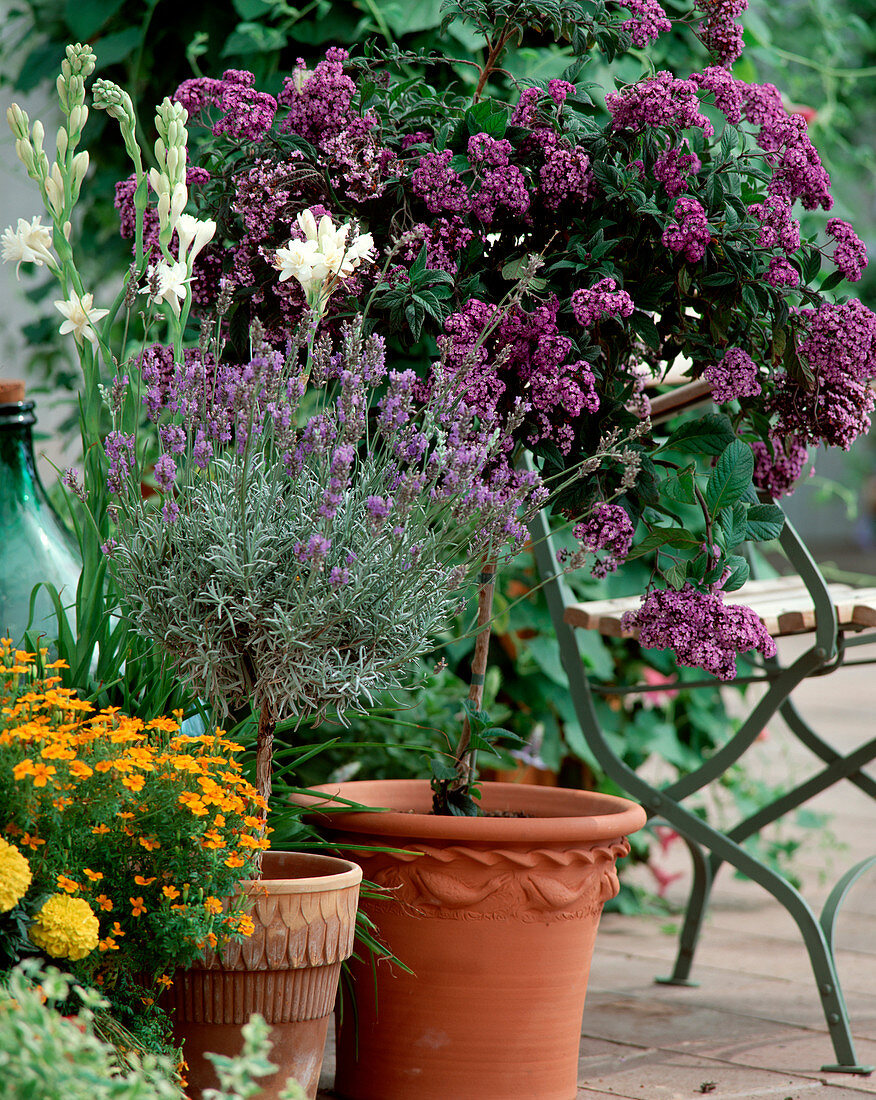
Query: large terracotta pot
[496, 918]
[304, 911]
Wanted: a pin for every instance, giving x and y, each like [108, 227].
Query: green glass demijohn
[34, 545]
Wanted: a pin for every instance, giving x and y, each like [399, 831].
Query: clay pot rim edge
[349, 874]
[614, 817]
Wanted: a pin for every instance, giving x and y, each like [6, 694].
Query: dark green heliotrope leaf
[680, 488]
[734, 525]
[739, 572]
[676, 537]
[730, 478]
[707, 435]
[764, 522]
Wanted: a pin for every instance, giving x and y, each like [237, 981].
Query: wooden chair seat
[783, 604]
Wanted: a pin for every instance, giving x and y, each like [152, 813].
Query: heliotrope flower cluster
[648, 21]
[720, 32]
[609, 528]
[600, 301]
[689, 233]
[704, 631]
[116, 832]
[777, 472]
[735, 375]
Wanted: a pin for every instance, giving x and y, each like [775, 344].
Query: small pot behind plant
[304, 910]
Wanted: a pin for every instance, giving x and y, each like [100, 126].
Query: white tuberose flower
[323, 258]
[80, 315]
[193, 235]
[31, 243]
[169, 283]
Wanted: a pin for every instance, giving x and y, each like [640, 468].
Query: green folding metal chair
[835, 616]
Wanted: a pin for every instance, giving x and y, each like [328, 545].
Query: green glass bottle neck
[19, 481]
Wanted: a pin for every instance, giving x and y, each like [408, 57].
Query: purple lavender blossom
[734, 376]
[170, 511]
[120, 450]
[704, 631]
[339, 577]
[164, 472]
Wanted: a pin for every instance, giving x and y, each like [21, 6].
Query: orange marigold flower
[104, 902]
[235, 860]
[117, 929]
[137, 906]
[67, 884]
[193, 803]
[125, 815]
[252, 822]
[100, 829]
[29, 841]
[148, 1000]
[164, 980]
[104, 765]
[80, 769]
[149, 843]
[170, 892]
[247, 841]
[212, 939]
[95, 876]
[213, 905]
[245, 924]
[134, 782]
[107, 944]
[219, 821]
[143, 881]
[23, 769]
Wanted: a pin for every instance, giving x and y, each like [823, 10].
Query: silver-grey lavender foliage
[306, 561]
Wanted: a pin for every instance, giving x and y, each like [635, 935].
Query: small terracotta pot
[496, 918]
[304, 911]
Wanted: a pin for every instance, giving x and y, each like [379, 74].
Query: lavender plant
[319, 514]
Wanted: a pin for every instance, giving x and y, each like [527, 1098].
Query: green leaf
[676, 537]
[730, 477]
[116, 47]
[832, 280]
[680, 489]
[676, 574]
[442, 770]
[707, 435]
[734, 524]
[739, 572]
[86, 17]
[764, 522]
[404, 17]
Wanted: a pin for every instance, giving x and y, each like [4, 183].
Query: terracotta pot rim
[553, 813]
[345, 874]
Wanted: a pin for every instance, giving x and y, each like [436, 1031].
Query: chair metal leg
[698, 900]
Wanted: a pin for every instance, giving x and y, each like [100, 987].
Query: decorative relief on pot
[292, 931]
[459, 882]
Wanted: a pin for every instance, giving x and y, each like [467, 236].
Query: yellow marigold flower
[66, 928]
[68, 884]
[150, 843]
[170, 892]
[95, 876]
[137, 906]
[134, 782]
[213, 905]
[235, 860]
[81, 770]
[15, 876]
[143, 881]
[104, 902]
